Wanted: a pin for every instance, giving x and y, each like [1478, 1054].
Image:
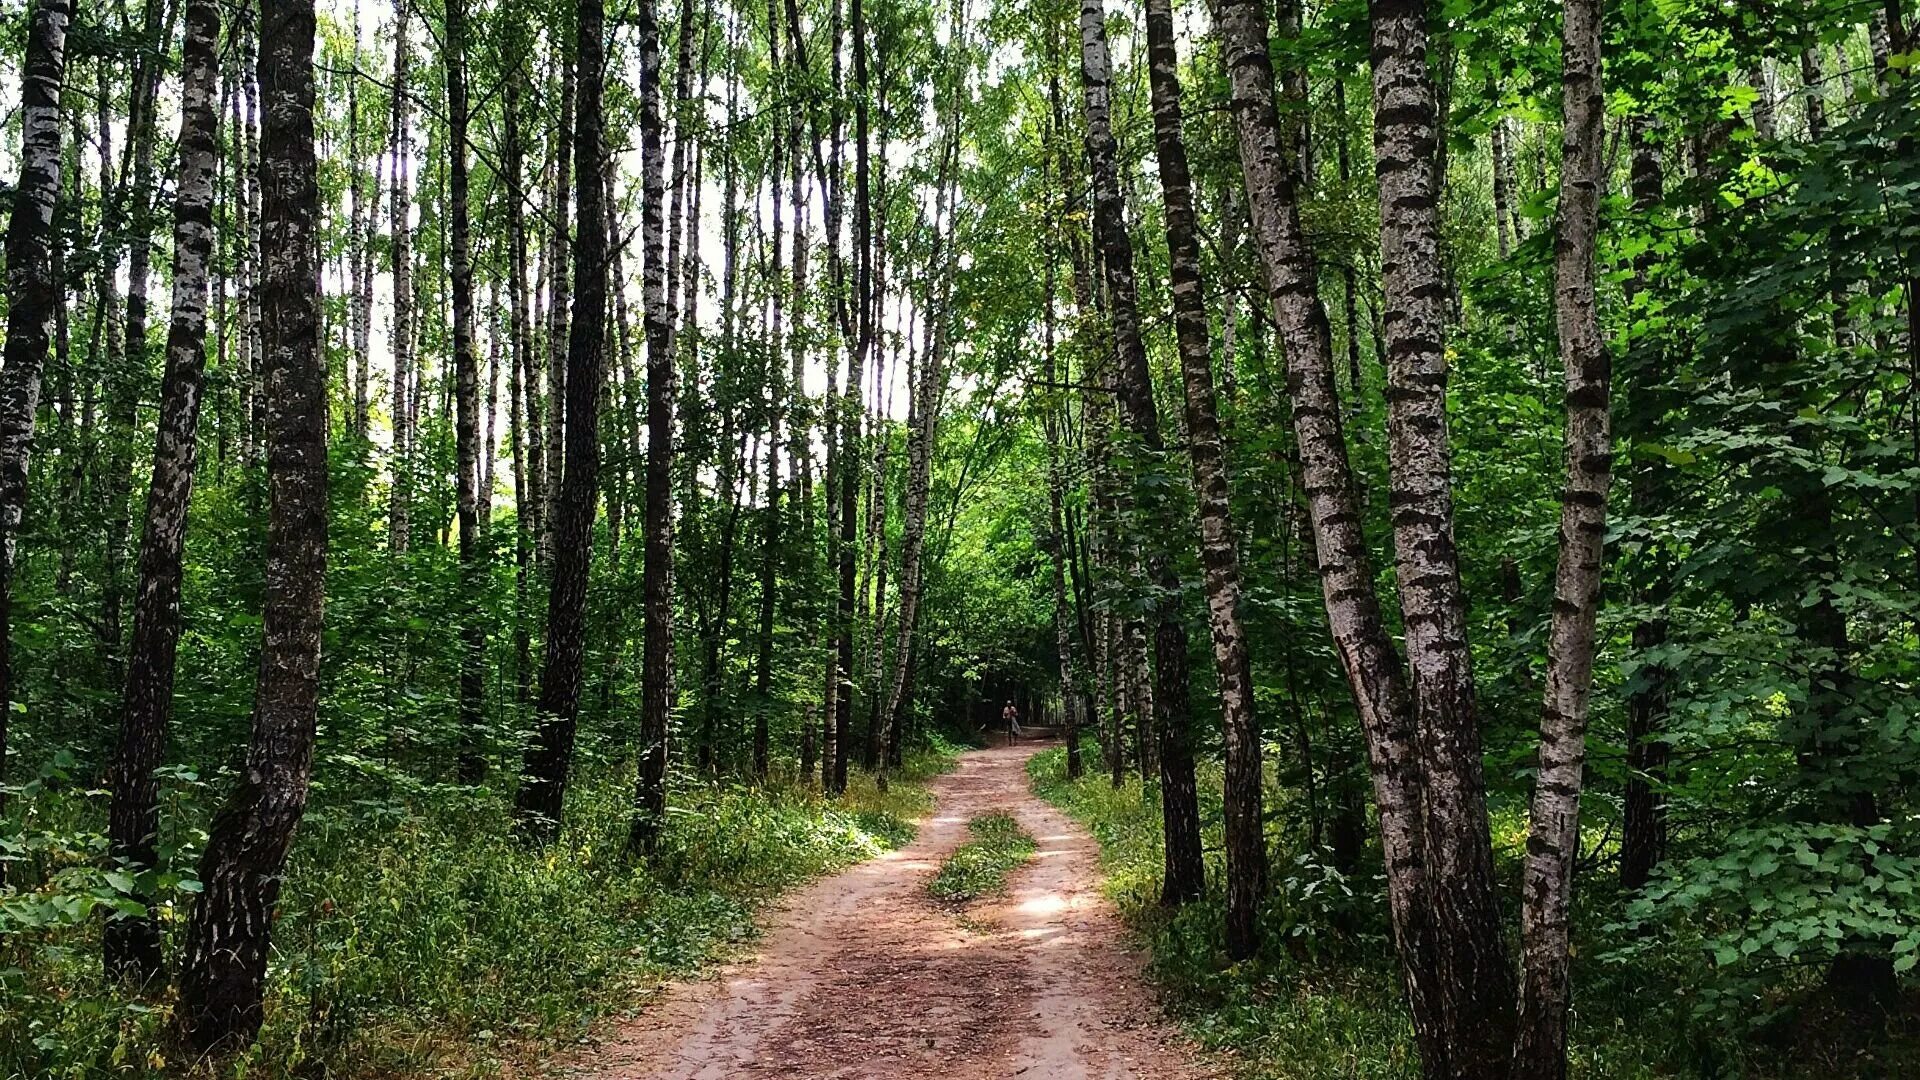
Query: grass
[1322, 1001]
[1299, 1011]
[418, 937]
[980, 866]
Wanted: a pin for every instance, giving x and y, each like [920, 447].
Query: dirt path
[863, 976]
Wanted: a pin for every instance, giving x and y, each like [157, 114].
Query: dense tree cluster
[1474, 464]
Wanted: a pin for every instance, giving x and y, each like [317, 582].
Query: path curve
[863, 976]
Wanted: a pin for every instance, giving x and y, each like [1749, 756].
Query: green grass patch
[980, 866]
[419, 937]
[1322, 1001]
[1303, 1009]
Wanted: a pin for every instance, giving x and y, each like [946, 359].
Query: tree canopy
[490, 488]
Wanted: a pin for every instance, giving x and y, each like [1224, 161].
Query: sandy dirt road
[864, 976]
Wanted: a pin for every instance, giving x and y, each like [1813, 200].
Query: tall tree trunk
[776, 408]
[1502, 189]
[81, 445]
[490, 410]
[244, 176]
[1474, 988]
[800, 425]
[868, 294]
[359, 253]
[127, 384]
[1815, 94]
[223, 973]
[650, 797]
[833, 687]
[856, 325]
[1880, 40]
[33, 293]
[252, 315]
[1349, 273]
[1643, 830]
[1179, 797]
[400, 340]
[769, 545]
[466, 375]
[549, 760]
[801, 422]
[528, 317]
[1073, 697]
[522, 417]
[1762, 113]
[131, 946]
[923, 427]
[1233, 217]
[873, 587]
[1354, 615]
[1553, 842]
[559, 402]
[1246, 846]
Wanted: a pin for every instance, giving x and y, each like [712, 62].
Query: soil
[864, 975]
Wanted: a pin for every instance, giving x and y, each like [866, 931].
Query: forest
[497, 494]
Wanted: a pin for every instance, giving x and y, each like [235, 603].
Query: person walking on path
[1011, 716]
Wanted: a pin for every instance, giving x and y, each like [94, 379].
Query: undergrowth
[1322, 998]
[414, 937]
[980, 866]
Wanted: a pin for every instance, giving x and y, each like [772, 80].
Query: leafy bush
[1322, 998]
[414, 936]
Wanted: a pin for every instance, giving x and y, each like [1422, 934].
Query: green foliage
[434, 941]
[980, 866]
[1303, 1009]
[1322, 998]
[1780, 899]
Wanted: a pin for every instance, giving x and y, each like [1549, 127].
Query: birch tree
[131, 945]
[1219, 555]
[1179, 799]
[224, 966]
[549, 760]
[32, 299]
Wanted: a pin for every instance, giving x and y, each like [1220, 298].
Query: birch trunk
[549, 760]
[832, 688]
[1643, 830]
[1502, 189]
[522, 418]
[650, 799]
[131, 946]
[776, 404]
[252, 408]
[856, 327]
[1553, 842]
[223, 971]
[466, 376]
[400, 340]
[32, 295]
[1179, 798]
[490, 411]
[528, 317]
[559, 402]
[1354, 615]
[1475, 980]
[1073, 696]
[923, 425]
[127, 384]
[359, 252]
[1246, 848]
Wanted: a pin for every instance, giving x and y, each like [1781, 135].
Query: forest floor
[864, 975]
